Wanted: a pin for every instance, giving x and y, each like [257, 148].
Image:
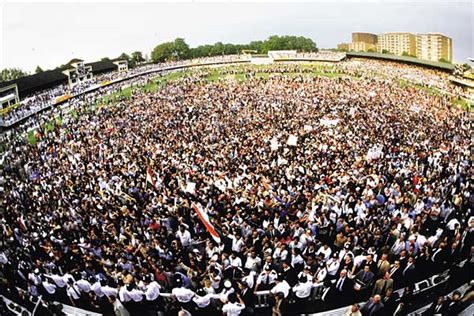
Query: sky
[51, 33]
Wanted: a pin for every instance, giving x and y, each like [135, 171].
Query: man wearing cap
[183, 295]
[152, 292]
[333, 266]
[266, 279]
[234, 306]
[83, 284]
[321, 273]
[49, 289]
[73, 293]
[35, 277]
[108, 290]
[202, 299]
[306, 272]
[228, 289]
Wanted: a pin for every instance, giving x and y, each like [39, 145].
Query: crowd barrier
[462, 290]
[318, 293]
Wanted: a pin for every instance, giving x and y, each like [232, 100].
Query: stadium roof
[102, 66]
[43, 80]
[404, 59]
[51, 78]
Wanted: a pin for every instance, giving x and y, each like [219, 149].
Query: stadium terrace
[282, 184]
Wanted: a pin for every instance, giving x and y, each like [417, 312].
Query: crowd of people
[196, 197]
[40, 100]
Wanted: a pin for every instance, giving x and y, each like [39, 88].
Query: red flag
[150, 177]
[205, 220]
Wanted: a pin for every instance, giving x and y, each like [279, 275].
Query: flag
[150, 177]
[205, 220]
[22, 223]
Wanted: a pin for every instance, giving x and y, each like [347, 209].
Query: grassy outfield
[464, 104]
[215, 76]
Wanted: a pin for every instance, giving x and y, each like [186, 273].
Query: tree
[12, 74]
[181, 49]
[162, 52]
[137, 57]
[299, 43]
[176, 50]
[105, 59]
[384, 51]
[38, 70]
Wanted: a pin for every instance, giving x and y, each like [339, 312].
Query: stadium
[283, 183]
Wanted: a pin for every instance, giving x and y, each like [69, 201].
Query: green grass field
[215, 75]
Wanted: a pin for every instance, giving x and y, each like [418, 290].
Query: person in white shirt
[281, 286]
[123, 294]
[59, 280]
[135, 294]
[237, 242]
[233, 308]
[49, 289]
[183, 295]
[228, 289]
[202, 299]
[235, 261]
[107, 290]
[325, 250]
[249, 279]
[303, 289]
[253, 262]
[97, 288]
[152, 289]
[35, 277]
[320, 274]
[84, 285]
[306, 273]
[73, 293]
[333, 266]
[184, 236]
[266, 279]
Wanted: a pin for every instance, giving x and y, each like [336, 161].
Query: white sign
[292, 140]
[328, 122]
[274, 144]
[190, 187]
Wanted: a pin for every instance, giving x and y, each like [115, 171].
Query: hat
[201, 292]
[227, 284]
